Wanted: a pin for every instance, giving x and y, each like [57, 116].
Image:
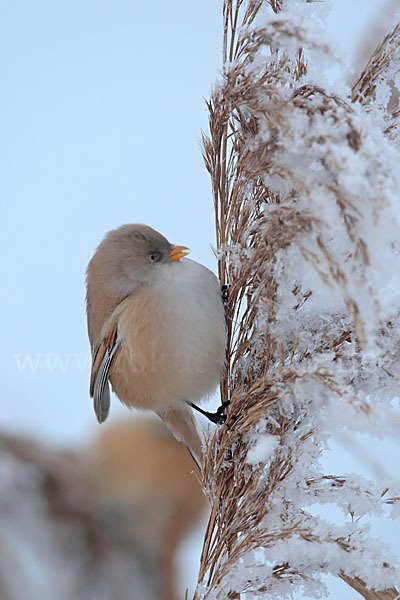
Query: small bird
[156, 327]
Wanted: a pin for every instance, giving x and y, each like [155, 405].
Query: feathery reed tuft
[306, 196]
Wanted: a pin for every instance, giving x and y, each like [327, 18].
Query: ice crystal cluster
[306, 186]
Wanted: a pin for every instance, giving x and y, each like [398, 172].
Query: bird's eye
[154, 256]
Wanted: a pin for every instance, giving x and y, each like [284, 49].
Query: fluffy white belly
[172, 339]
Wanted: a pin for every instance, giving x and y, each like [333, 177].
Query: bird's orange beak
[178, 252]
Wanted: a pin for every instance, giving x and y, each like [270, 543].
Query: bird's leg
[218, 417]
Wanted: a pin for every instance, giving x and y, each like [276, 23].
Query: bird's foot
[224, 293]
[218, 417]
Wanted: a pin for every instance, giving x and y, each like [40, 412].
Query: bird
[157, 331]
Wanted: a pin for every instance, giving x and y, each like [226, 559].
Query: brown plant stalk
[254, 224]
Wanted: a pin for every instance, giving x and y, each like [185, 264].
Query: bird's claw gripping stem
[218, 417]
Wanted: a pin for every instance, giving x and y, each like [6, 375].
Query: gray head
[131, 256]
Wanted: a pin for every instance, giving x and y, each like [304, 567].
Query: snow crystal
[261, 449]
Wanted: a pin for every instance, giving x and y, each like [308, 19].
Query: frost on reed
[306, 190]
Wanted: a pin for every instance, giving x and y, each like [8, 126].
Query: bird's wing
[183, 425]
[99, 386]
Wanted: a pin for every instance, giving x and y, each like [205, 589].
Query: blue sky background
[101, 108]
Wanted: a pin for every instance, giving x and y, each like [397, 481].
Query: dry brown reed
[365, 87]
[260, 367]
[376, 71]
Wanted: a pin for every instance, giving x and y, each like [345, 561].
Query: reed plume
[306, 194]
